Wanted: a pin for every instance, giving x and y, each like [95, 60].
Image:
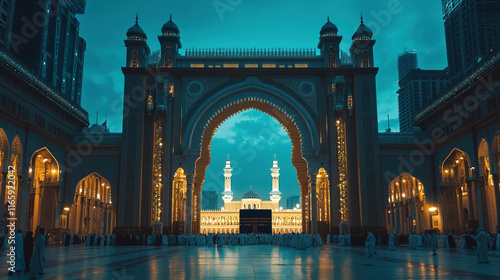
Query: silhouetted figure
[28, 250]
[38, 258]
[451, 241]
[482, 246]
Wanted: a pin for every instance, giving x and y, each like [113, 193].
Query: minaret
[227, 195]
[275, 195]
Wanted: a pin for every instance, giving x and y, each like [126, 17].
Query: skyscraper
[472, 29]
[45, 38]
[417, 89]
[407, 61]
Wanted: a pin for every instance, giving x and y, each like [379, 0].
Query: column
[400, 216]
[470, 190]
[304, 203]
[497, 199]
[479, 200]
[314, 202]
[189, 204]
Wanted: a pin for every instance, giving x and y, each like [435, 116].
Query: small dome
[251, 195]
[170, 27]
[136, 32]
[329, 27]
[363, 33]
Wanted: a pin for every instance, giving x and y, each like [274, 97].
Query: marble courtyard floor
[258, 262]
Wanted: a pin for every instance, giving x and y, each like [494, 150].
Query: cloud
[251, 144]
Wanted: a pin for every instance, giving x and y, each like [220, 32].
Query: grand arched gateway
[174, 101]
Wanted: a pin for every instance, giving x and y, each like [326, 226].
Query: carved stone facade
[306, 91]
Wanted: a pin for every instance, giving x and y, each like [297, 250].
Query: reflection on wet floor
[260, 262]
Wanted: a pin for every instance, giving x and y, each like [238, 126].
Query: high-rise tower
[407, 61]
[275, 195]
[472, 29]
[227, 195]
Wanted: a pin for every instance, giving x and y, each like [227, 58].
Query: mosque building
[227, 220]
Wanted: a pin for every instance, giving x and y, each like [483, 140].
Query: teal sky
[396, 25]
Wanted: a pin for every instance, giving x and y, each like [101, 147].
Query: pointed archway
[457, 198]
[179, 203]
[92, 210]
[297, 160]
[407, 210]
[44, 170]
[15, 169]
[323, 202]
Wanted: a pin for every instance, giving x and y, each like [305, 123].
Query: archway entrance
[458, 199]
[179, 201]
[45, 190]
[217, 117]
[323, 202]
[407, 211]
[250, 178]
[92, 210]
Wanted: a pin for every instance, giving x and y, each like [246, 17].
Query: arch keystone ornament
[305, 92]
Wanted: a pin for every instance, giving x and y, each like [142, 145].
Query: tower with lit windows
[227, 195]
[275, 195]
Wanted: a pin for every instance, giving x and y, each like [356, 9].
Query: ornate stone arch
[251, 89]
[484, 158]
[45, 153]
[4, 149]
[450, 160]
[92, 210]
[407, 209]
[16, 154]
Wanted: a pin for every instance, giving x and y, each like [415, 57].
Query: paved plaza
[259, 262]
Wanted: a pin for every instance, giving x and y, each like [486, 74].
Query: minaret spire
[227, 195]
[275, 194]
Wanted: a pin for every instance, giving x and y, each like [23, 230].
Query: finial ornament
[328, 19]
[170, 17]
[137, 18]
[274, 157]
[361, 18]
[227, 156]
[250, 187]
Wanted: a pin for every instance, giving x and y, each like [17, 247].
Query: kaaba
[256, 221]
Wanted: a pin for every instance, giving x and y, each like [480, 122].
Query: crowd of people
[482, 242]
[294, 240]
[29, 253]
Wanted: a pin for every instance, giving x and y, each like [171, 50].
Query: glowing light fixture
[432, 209]
[66, 208]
